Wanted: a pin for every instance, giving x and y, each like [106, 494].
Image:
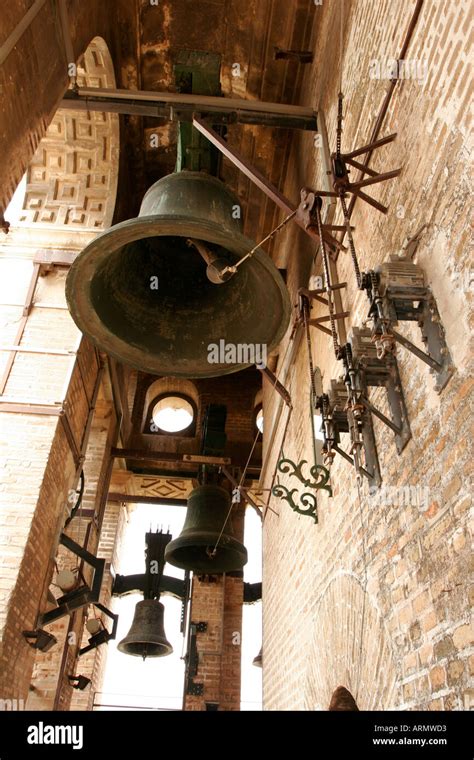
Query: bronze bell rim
[82, 271]
[226, 544]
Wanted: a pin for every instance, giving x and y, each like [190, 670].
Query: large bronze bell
[145, 290]
[146, 637]
[207, 544]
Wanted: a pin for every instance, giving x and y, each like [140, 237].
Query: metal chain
[339, 125]
[324, 256]
[347, 222]
[308, 343]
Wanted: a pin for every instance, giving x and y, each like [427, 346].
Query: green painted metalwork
[306, 500]
[317, 471]
[196, 72]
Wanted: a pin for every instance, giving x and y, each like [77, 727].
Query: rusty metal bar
[323, 329]
[360, 167]
[374, 180]
[316, 321]
[243, 490]
[369, 200]
[388, 97]
[70, 438]
[270, 190]
[370, 146]
[279, 387]
[171, 105]
[416, 351]
[365, 401]
[137, 499]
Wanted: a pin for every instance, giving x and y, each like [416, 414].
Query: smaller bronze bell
[146, 637]
[207, 543]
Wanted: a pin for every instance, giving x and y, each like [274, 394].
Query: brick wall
[38, 470]
[377, 598]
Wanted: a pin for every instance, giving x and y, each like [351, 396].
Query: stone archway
[349, 645]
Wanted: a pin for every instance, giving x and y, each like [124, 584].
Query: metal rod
[255, 176]
[23, 25]
[371, 201]
[365, 401]
[349, 459]
[276, 384]
[138, 499]
[374, 180]
[361, 167]
[388, 96]
[104, 97]
[70, 439]
[420, 354]
[370, 146]
[340, 315]
[243, 490]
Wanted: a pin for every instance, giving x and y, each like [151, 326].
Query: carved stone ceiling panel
[72, 178]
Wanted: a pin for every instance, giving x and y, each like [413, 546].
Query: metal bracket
[375, 372]
[337, 402]
[103, 636]
[83, 595]
[398, 293]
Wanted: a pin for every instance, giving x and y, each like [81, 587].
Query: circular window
[173, 414]
[259, 420]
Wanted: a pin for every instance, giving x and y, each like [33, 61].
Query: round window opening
[259, 421]
[173, 414]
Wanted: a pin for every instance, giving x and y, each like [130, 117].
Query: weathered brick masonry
[378, 598]
[375, 597]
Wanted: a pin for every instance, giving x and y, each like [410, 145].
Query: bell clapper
[218, 268]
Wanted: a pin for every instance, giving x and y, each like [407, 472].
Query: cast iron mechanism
[192, 659]
[347, 407]
[375, 370]
[141, 294]
[344, 415]
[82, 595]
[40, 639]
[103, 636]
[207, 543]
[146, 637]
[397, 292]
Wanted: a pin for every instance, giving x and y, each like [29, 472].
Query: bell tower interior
[236, 283]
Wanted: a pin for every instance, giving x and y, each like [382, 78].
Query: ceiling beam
[182, 107]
